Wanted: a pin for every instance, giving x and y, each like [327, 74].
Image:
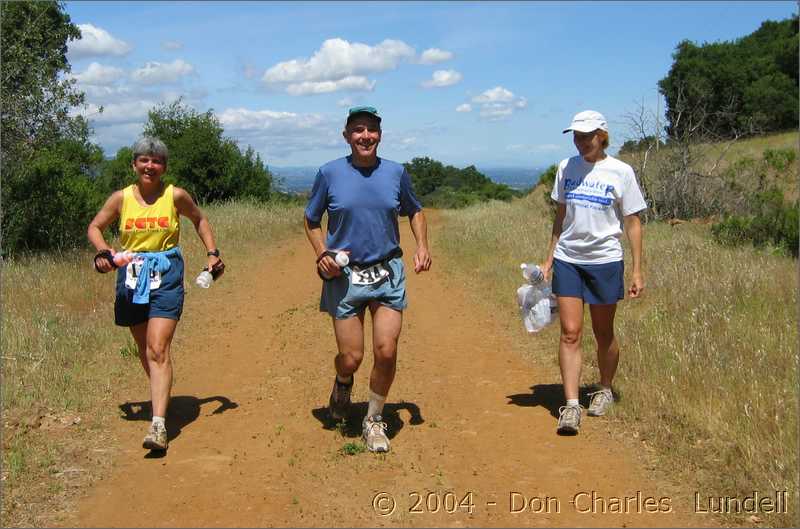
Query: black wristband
[214, 252]
[104, 254]
[323, 254]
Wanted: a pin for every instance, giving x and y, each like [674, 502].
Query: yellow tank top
[154, 228]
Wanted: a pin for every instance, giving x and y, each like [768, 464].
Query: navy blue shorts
[165, 302]
[595, 284]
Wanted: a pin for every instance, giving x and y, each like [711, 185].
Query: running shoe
[569, 420]
[156, 438]
[601, 401]
[340, 399]
[375, 434]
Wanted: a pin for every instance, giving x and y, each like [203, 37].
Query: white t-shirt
[598, 196]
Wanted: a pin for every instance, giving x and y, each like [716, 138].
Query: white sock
[344, 380]
[158, 420]
[605, 388]
[376, 402]
[572, 402]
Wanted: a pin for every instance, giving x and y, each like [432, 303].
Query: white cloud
[324, 87]
[96, 41]
[99, 75]
[345, 102]
[498, 103]
[171, 45]
[119, 113]
[434, 56]
[158, 73]
[338, 65]
[443, 78]
[464, 107]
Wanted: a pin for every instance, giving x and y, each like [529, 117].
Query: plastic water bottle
[532, 273]
[205, 279]
[123, 258]
[342, 259]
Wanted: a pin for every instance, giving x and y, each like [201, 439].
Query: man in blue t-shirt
[363, 195]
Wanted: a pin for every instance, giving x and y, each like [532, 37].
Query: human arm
[325, 263]
[419, 227]
[558, 224]
[107, 214]
[633, 227]
[186, 206]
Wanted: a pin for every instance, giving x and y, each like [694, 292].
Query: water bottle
[342, 259]
[532, 273]
[205, 279]
[123, 258]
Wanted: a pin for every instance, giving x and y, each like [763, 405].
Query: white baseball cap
[588, 121]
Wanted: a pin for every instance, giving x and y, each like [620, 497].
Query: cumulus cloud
[171, 45]
[119, 113]
[96, 41]
[354, 82]
[435, 56]
[99, 75]
[161, 73]
[499, 103]
[464, 107]
[443, 78]
[338, 65]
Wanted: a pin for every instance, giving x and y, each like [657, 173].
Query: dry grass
[63, 358]
[709, 365]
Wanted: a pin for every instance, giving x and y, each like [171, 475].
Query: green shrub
[780, 159]
[773, 222]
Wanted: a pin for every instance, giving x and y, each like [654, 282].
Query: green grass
[352, 448]
[62, 352]
[709, 360]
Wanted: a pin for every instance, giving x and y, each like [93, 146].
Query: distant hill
[299, 179]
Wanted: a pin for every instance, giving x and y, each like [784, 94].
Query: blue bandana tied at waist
[157, 260]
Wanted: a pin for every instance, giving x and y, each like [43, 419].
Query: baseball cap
[588, 121]
[363, 110]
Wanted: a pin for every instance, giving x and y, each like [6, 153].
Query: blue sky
[484, 83]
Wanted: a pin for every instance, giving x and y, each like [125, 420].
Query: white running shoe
[375, 434]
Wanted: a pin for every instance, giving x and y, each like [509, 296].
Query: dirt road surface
[471, 422]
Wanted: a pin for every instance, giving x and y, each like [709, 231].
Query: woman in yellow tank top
[149, 290]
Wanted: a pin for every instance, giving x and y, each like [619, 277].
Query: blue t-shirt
[362, 205]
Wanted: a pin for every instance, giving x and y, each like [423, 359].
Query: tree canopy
[440, 185]
[747, 85]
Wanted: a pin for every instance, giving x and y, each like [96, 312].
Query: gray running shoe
[375, 434]
[601, 401]
[156, 438]
[339, 403]
[569, 420]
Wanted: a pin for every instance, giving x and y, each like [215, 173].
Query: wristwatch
[214, 252]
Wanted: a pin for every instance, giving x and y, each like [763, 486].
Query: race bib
[369, 276]
[132, 274]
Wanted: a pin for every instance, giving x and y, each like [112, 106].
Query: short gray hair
[151, 146]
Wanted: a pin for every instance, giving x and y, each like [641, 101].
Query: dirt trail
[251, 446]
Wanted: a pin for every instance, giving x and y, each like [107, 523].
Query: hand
[216, 266]
[327, 266]
[103, 260]
[422, 260]
[547, 270]
[637, 285]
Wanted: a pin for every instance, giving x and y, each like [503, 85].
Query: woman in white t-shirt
[598, 197]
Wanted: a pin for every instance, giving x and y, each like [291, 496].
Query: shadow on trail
[551, 397]
[183, 410]
[351, 426]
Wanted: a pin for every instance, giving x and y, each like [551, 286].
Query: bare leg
[607, 347]
[139, 333]
[569, 346]
[350, 341]
[386, 326]
[159, 340]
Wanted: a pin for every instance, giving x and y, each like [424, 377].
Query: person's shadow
[183, 410]
[351, 426]
[551, 397]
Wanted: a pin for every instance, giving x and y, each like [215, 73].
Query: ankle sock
[376, 402]
[572, 402]
[347, 381]
[158, 420]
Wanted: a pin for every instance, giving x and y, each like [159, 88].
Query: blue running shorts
[342, 299]
[165, 302]
[595, 284]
